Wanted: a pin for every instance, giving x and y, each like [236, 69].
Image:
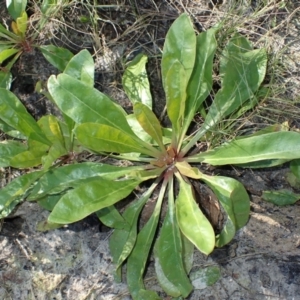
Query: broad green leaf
[192, 222]
[104, 138]
[81, 67]
[295, 167]
[234, 200]
[137, 259]
[200, 82]
[85, 104]
[135, 81]
[175, 89]
[71, 176]
[180, 46]
[5, 80]
[149, 122]
[5, 54]
[56, 151]
[16, 7]
[205, 277]
[276, 145]
[177, 65]
[90, 197]
[137, 129]
[49, 201]
[281, 197]
[168, 251]
[11, 131]
[56, 56]
[9, 149]
[122, 241]
[13, 113]
[263, 163]
[110, 217]
[30, 158]
[147, 295]
[164, 281]
[50, 125]
[242, 73]
[188, 253]
[15, 192]
[22, 23]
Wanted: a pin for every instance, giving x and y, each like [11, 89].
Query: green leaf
[149, 122]
[138, 129]
[180, 46]
[5, 54]
[188, 253]
[49, 201]
[5, 80]
[175, 89]
[110, 217]
[90, 197]
[205, 277]
[30, 158]
[9, 36]
[200, 82]
[85, 104]
[168, 251]
[22, 23]
[50, 125]
[71, 176]
[276, 145]
[104, 138]
[177, 65]
[234, 200]
[11, 131]
[81, 67]
[292, 180]
[123, 240]
[56, 56]
[135, 81]
[56, 151]
[281, 197]
[295, 167]
[13, 113]
[9, 149]
[164, 282]
[16, 7]
[242, 73]
[137, 260]
[192, 222]
[15, 192]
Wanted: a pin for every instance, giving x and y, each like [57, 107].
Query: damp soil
[73, 262]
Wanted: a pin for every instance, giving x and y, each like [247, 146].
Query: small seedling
[170, 160]
[16, 41]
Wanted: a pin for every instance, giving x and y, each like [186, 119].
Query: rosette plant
[169, 160]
